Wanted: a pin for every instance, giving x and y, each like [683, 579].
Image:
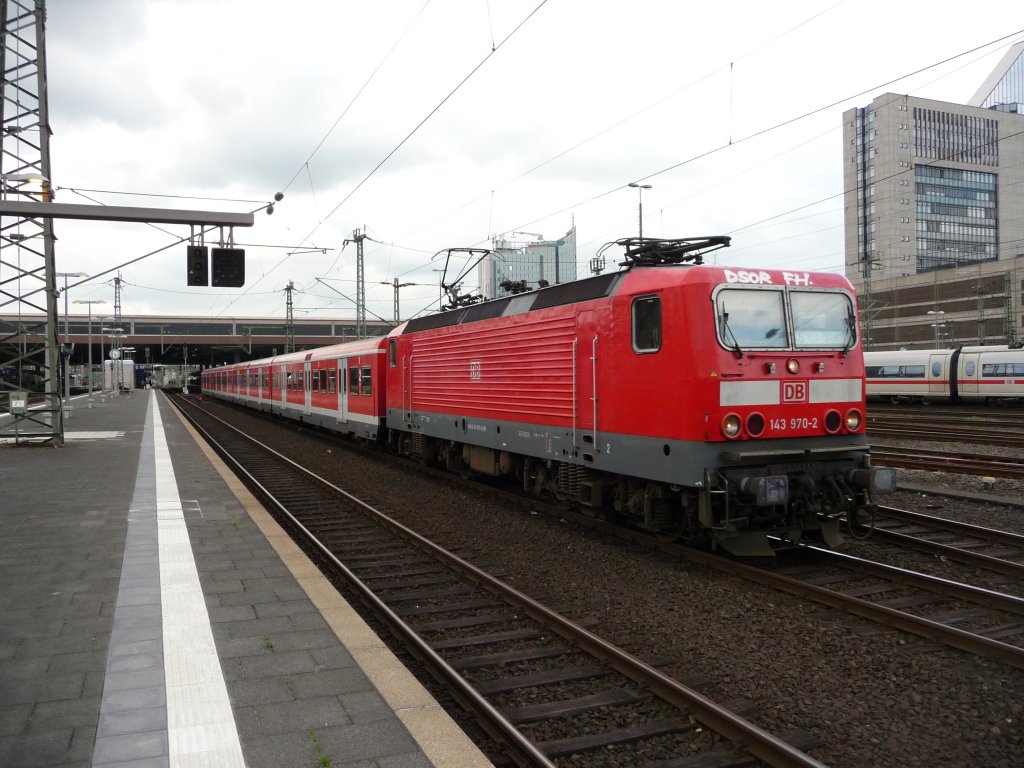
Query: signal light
[228, 267]
[197, 265]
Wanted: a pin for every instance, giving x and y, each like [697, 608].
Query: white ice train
[963, 374]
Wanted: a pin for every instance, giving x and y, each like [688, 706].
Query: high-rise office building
[934, 215]
[529, 264]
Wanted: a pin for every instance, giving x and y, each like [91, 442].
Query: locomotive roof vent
[651, 251]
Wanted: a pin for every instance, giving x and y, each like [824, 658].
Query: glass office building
[527, 263]
[934, 219]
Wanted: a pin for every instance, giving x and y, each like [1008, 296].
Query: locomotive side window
[392, 353]
[647, 324]
[751, 319]
[822, 319]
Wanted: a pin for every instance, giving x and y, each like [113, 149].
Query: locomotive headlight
[731, 425]
[793, 365]
[755, 424]
[853, 420]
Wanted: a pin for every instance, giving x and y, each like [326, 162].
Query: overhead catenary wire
[762, 132]
[380, 64]
[413, 132]
[490, 228]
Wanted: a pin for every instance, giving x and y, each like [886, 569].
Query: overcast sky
[432, 124]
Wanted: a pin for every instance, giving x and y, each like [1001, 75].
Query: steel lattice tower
[27, 266]
[289, 320]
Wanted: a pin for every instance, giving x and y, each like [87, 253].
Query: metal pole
[89, 303]
[89, 374]
[67, 352]
[641, 214]
[640, 188]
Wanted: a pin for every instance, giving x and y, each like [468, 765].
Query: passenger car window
[353, 381]
[366, 381]
[647, 324]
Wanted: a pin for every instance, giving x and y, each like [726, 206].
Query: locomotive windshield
[756, 318]
[752, 319]
[822, 319]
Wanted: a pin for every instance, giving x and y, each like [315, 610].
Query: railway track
[980, 621]
[976, 620]
[944, 424]
[542, 685]
[994, 550]
[942, 461]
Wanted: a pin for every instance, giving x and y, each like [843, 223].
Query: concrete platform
[153, 614]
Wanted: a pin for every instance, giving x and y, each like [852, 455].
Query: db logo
[794, 391]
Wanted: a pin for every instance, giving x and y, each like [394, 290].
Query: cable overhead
[767, 130]
[403, 141]
[358, 94]
[431, 113]
[618, 123]
[80, 190]
[725, 146]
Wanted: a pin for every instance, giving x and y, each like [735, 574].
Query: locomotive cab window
[749, 318]
[647, 324]
[822, 319]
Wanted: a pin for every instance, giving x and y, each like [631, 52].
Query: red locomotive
[724, 406]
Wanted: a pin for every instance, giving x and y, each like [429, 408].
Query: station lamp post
[640, 189]
[939, 323]
[112, 333]
[67, 341]
[90, 302]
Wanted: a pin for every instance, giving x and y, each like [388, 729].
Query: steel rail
[960, 555]
[930, 630]
[723, 721]
[989, 534]
[522, 749]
